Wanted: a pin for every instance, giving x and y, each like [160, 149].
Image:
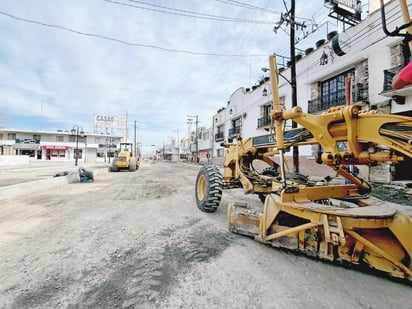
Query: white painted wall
[368, 42]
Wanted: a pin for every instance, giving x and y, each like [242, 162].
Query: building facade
[364, 53]
[60, 145]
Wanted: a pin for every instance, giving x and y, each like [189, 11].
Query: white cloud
[67, 78]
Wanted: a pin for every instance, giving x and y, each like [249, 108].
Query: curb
[24, 188]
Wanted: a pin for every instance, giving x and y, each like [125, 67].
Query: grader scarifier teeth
[375, 237]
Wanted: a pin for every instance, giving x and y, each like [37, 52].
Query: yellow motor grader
[334, 222]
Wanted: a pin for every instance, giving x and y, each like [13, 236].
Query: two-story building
[59, 145]
[363, 51]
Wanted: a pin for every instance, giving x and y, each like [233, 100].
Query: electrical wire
[163, 9]
[249, 6]
[99, 36]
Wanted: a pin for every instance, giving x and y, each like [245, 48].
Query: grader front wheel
[208, 188]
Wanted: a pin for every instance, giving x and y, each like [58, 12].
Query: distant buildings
[363, 51]
[60, 145]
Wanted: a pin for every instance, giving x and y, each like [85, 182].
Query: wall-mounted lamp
[327, 53]
[265, 92]
[231, 111]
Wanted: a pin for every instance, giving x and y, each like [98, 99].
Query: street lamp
[79, 132]
[109, 143]
[327, 53]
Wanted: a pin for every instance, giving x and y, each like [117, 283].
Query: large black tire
[209, 188]
[267, 172]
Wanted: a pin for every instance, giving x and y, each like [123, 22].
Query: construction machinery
[333, 222]
[125, 159]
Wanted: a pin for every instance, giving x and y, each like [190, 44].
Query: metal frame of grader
[338, 223]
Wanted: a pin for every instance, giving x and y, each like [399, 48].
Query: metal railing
[234, 131]
[219, 136]
[264, 121]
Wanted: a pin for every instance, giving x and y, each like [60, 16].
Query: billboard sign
[109, 122]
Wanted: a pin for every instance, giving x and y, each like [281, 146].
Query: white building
[60, 145]
[363, 51]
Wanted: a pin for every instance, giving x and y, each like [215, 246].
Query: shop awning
[48, 147]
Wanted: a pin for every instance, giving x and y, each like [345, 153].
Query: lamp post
[79, 132]
[109, 143]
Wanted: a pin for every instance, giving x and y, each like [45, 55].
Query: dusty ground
[137, 240]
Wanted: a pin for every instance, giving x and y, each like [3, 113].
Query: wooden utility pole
[293, 79]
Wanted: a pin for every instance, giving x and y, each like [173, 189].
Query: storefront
[27, 149]
[55, 152]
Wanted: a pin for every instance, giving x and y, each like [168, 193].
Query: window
[333, 90]
[59, 138]
[205, 135]
[265, 113]
[236, 124]
[220, 135]
[220, 152]
[57, 153]
[11, 136]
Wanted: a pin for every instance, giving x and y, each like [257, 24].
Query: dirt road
[137, 240]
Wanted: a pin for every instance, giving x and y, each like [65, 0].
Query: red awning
[55, 147]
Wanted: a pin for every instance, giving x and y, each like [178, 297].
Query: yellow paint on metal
[304, 218]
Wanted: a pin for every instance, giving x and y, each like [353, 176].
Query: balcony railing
[318, 105]
[219, 136]
[264, 121]
[360, 93]
[234, 131]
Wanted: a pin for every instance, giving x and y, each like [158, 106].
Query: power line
[249, 6]
[163, 9]
[126, 42]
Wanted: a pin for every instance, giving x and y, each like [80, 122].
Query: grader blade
[243, 219]
[375, 236]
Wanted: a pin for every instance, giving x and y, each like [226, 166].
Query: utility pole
[289, 18]
[293, 80]
[135, 144]
[126, 137]
[197, 142]
[178, 145]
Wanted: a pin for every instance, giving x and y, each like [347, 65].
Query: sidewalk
[17, 180]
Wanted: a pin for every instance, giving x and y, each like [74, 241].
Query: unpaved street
[137, 240]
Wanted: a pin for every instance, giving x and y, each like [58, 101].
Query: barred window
[333, 90]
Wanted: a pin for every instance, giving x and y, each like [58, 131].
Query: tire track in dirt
[146, 275]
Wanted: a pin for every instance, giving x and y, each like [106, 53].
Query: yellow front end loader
[339, 223]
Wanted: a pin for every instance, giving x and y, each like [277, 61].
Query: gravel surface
[137, 240]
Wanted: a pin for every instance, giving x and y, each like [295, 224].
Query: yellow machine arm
[334, 222]
[370, 137]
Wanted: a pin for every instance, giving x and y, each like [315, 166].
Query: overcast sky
[62, 62]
